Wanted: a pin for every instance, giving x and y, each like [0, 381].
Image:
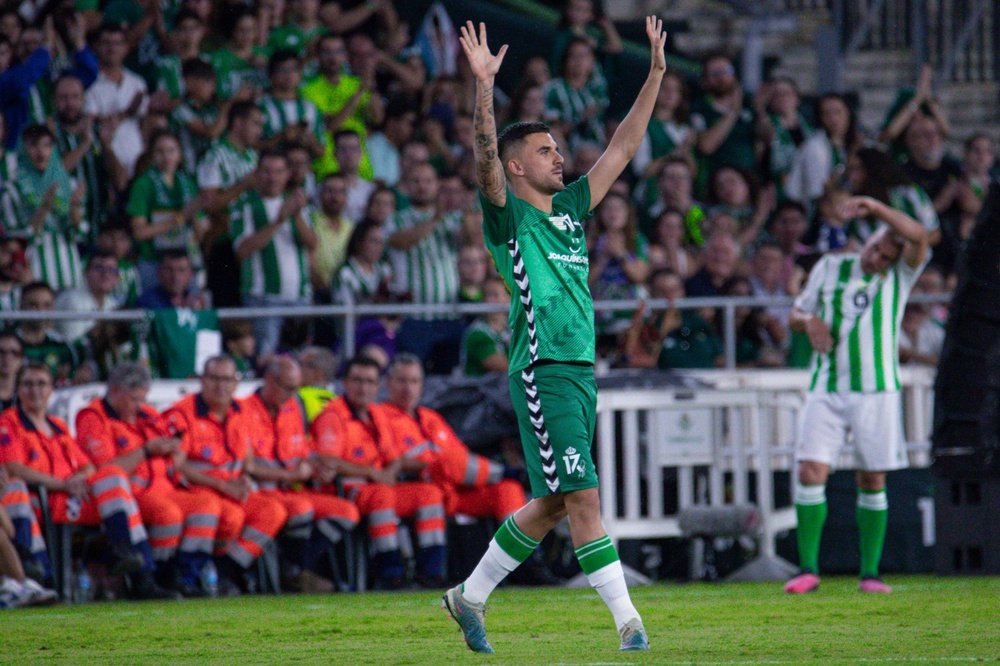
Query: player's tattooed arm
[484, 66]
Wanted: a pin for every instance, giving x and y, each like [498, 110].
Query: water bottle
[210, 579]
[83, 591]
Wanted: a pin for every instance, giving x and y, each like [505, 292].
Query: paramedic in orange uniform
[350, 436]
[215, 437]
[37, 448]
[429, 449]
[281, 465]
[122, 430]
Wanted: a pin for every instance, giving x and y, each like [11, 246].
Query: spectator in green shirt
[487, 340]
[187, 36]
[200, 118]
[40, 340]
[727, 127]
[242, 60]
[165, 206]
[301, 29]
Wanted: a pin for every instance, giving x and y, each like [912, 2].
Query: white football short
[874, 421]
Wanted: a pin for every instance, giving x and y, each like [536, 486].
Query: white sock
[609, 581]
[495, 565]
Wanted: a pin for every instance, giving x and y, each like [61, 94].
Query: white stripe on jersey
[863, 313]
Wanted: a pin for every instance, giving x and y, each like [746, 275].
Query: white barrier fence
[719, 445]
[162, 394]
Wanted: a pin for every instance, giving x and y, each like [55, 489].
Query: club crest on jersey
[573, 464]
[565, 223]
[861, 300]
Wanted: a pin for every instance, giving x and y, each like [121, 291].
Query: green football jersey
[542, 257]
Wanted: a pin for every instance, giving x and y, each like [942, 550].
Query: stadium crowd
[183, 155]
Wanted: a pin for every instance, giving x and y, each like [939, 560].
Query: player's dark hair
[513, 134]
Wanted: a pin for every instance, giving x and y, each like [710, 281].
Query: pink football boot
[803, 583]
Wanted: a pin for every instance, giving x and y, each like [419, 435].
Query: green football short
[556, 407]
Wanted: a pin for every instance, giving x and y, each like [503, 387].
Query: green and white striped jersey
[428, 271]
[564, 103]
[280, 268]
[279, 114]
[10, 299]
[193, 146]
[863, 313]
[52, 252]
[224, 165]
[353, 285]
[167, 75]
[91, 170]
[913, 201]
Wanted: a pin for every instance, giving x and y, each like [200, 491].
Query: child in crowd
[239, 343]
[200, 118]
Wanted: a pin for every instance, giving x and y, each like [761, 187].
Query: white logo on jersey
[569, 258]
[572, 462]
[565, 223]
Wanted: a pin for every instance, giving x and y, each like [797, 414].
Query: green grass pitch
[927, 620]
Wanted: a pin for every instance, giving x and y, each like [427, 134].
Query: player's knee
[583, 504]
[812, 473]
[871, 481]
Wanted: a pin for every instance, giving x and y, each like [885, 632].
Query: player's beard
[553, 184]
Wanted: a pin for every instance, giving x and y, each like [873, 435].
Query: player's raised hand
[860, 206]
[483, 63]
[657, 40]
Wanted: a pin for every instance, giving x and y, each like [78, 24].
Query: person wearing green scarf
[41, 204]
[164, 206]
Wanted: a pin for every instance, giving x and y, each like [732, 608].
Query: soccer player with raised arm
[532, 225]
[851, 309]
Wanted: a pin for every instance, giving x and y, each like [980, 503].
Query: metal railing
[959, 37]
[350, 314]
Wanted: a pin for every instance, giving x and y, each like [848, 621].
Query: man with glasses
[216, 439]
[38, 449]
[352, 436]
[97, 294]
[281, 464]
